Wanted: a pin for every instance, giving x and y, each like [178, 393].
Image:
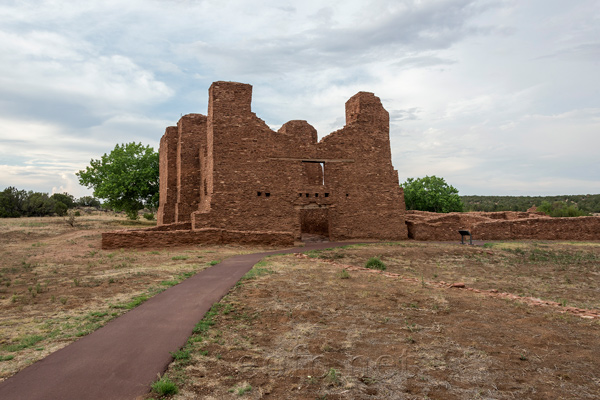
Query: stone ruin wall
[506, 225]
[232, 178]
[228, 178]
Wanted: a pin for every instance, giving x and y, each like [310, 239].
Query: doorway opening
[314, 224]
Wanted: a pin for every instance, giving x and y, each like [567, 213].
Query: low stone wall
[441, 231]
[179, 226]
[542, 228]
[173, 238]
[577, 228]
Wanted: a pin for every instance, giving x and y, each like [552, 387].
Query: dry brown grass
[301, 331]
[57, 284]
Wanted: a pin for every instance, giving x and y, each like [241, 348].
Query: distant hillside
[586, 202]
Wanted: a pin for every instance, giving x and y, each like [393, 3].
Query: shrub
[71, 218]
[165, 387]
[149, 216]
[64, 198]
[375, 263]
[88, 201]
[60, 209]
[561, 209]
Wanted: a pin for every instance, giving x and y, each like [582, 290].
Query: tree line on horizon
[15, 203]
[433, 194]
[586, 204]
[127, 179]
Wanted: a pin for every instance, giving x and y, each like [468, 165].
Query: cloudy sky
[499, 97]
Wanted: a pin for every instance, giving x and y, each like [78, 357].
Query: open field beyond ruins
[311, 325]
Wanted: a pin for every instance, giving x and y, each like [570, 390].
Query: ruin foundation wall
[577, 228]
[508, 225]
[174, 238]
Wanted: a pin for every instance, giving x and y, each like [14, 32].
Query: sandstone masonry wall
[508, 225]
[168, 176]
[232, 177]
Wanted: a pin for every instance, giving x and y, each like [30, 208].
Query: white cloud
[497, 96]
[53, 66]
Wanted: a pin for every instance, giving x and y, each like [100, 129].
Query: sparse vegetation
[344, 274]
[149, 216]
[241, 390]
[375, 263]
[165, 387]
[23, 343]
[49, 265]
[297, 326]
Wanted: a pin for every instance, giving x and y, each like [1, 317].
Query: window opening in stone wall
[267, 194]
[346, 194]
[299, 194]
[258, 193]
[316, 194]
[322, 164]
[326, 194]
[307, 194]
[314, 172]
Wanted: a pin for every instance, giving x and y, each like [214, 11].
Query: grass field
[304, 328]
[309, 327]
[57, 284]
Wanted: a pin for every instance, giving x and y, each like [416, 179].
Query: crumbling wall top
[229, 98]
[366, 107]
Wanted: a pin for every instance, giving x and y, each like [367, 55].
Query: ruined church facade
[228, 174]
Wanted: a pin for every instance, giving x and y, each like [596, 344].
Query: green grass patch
[23, 343]
[181, 355]
[184, 275]
[165, 387]
[241, 390]
[6, 358]
[136, 301]
[375, 263]
[179, 258]
[344, 274]
[255, 272]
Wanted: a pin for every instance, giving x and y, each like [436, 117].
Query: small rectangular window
[258, 193]
[316, 194]
[267, 194]
[326, 194]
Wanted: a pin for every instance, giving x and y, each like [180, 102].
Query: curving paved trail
[121, 359]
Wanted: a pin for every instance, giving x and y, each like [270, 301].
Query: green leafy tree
[38, 204]
[65, 198]
[127, 178]
[88, 201]
[11, 202]
[431, 194]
